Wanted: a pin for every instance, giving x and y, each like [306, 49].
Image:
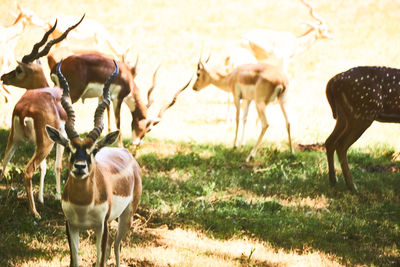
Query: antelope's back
[368, 92]
[118, 167]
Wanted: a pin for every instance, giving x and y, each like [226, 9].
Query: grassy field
[202, 206]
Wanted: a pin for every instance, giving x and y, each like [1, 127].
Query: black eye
[198, 74]
[18, 70]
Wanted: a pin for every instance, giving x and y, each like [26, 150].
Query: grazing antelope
[103, 183]
[90, 34]
[33, 111]
[358, 97]
[278, 47]
[85, 73]
[259, 82]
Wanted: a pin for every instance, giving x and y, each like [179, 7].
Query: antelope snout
[79, 166]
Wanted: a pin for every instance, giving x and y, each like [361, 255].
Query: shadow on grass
[359, 228]
[208, 187]
[19, 229]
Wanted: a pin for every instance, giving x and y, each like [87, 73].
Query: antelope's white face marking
[80, 159]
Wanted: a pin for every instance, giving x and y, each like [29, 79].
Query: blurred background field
[175, 32]
[280, 206]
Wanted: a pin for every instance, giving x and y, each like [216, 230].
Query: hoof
[37, 215]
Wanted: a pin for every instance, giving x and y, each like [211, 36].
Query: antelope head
[319, 25]
[28, 74]
[204, 75]
[141, 126]
[82, 150]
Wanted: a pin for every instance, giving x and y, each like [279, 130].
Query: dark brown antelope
[33, 111]
[358, 97]
[103, 183]
[261, 83]
[85, 74]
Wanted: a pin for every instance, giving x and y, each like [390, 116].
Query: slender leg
[351, 134]
[331, 144]
[73, 241]
[43, 148]
[10, 150]
[281, 104]
[264, 126]
[124, 223]
[244, 118]
[101, 243]
[43, 168]
[237, 105]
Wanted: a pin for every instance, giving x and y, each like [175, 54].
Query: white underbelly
[85, 216]
[96, 90]
[91, 216]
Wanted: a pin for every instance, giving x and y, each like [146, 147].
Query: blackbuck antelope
[358, 97]
[33, 111]
[90, 35]
[85, 74]
[259, 82]
[279, 47]
[103, 183]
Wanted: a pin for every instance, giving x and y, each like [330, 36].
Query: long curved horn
[65, 102]
[149, 100]
[35, 54]
[170, 104]
[312, 12]
[98, 115]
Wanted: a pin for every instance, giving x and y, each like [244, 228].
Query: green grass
[209, 188]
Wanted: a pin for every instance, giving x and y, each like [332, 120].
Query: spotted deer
[261, 83]
[358, 97]
[33, 111]
[103, 183]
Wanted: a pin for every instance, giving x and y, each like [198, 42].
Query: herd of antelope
[104, 183]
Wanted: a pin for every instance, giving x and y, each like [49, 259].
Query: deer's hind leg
[354, 129]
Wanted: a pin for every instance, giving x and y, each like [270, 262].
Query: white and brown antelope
[91, 35]
[85, 74]
[35, 109]
[103, 183]
[358, 97]
[279, 47]
[261, 83]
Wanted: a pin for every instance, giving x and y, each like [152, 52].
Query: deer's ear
[56, 136]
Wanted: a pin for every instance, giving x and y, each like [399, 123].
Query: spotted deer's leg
[331, 144]
[354, 129]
